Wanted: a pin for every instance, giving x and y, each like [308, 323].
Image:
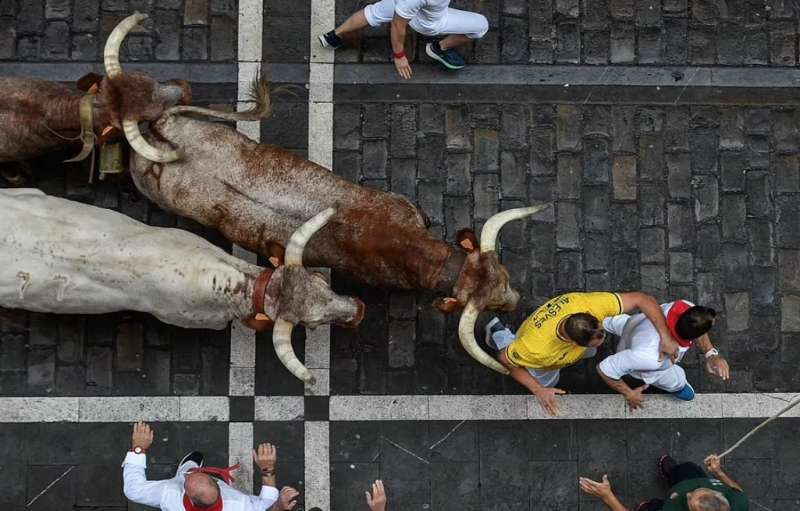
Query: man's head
[584, 329]
[695, 322]
[201, 489]
[704, 499]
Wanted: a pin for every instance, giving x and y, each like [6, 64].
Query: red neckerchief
[674, 314]
[226, 474]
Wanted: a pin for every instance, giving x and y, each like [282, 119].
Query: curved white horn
[466, 334]
[141, 146]
[297, 243]
[114, 42]
[282, 340]
[492, 226]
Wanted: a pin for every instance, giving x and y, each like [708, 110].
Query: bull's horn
[282, 340]
[466, 334]
[114, 43]
[141, 146]
[297, 243]
[492, 226]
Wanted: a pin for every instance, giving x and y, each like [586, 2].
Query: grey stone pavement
[698, 201]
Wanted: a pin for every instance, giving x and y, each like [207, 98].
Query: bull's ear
[88, 81]
[259, 325]
[467, 240]
[276, 253]
[447, 305]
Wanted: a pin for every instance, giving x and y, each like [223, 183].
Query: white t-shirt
[428, 13]
[638, 350]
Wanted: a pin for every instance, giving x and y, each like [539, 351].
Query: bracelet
[268, 472]
[713, 352]
[399, 55]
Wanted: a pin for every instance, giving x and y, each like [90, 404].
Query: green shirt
[737, 499]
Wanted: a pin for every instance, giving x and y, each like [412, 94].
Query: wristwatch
[713, 352]
[138, 450]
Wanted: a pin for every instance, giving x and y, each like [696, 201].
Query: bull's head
[484, 282]
[126, 99]
[300, 296]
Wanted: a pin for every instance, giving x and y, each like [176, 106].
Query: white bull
[66, 257]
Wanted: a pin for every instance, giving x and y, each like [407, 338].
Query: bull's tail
[259, 93]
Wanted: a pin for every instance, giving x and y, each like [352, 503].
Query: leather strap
[259, 290]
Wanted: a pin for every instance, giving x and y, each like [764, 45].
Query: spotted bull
[39, 116]
[61, 256]
[257, 194]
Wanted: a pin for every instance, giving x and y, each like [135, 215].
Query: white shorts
[455, 21]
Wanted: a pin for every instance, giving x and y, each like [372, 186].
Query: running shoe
[450, 59]
[685, 394]
[331, 40]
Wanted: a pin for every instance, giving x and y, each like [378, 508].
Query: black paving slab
[534, 465]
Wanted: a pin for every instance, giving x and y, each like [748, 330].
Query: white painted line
[321, 76]
[319, 340]
[322, 386]
[251, 30]
[38, 409]
[242, 381]
[379, 408]
[204, 409]
[323, 18]
[129, 409]
[444, 408]
[320, 131]
[591, 406]
[240, 450]
[317, 465]
[279, 408]
[757, 405]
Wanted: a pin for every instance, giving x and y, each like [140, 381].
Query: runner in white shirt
[428, 17]
[638, 351]
[193, 488]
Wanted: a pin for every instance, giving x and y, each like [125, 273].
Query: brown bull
[257, 194]
[39, 116]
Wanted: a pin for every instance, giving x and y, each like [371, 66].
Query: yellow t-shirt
[538, 344]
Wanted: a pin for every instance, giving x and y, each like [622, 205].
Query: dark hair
[582, 328]
[695, 322]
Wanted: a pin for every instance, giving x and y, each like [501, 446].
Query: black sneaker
[491, 327]
[331, 40]
[450, 59]
[195, 456]
[665, 465]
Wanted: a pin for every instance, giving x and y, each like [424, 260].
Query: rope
[760, 426]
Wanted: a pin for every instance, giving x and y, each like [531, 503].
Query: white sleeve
[407, 9]
[268, 496]
[136, 487]
[619, 364]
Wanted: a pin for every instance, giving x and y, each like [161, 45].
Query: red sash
[189, 506]
[674, 314]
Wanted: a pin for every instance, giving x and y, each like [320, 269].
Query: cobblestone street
[663, 132]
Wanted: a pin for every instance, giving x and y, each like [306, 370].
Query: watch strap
[713, 352]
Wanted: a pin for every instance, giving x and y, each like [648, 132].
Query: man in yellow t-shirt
[563, 331]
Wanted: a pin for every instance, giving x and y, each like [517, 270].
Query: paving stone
[430, 154]
[404, 177]
[223, 38]
[624, 172]
[185, 384]
[623, 132]
[456, 216]
[515, 41]
[790, 313]
[70, 339]
[402, 335]
[374, 123]
[733, 212]
[568, 221]
[8, 35]
[681, 267]
[759, 200]
[763, 294]
[569, 272]
[623, 217]
[702, 44]
[735, 265]
[652, 245]
[29, 48]
[43, 331]
[13, 352]
[757, 121]
[737, 311]
[157, 371]
[194, 43]
[486, 191]
[708, 247]
[374, 159]
[430, 200]
[784, 132]
[486, 150]
[457, 129]
[347, 165]
[568, 43]
[83, 47]
[596, 209]
[513, 174]
[734, 167]
[703, 143]
[596, 251]
[403, 131]
[568, 128]
[41, 369]
[787, 219]
[650, 46]
[98, 368]
[459, 178]
[569, 176]
[783, 43]
[731, 133]
[542, 157]
[597, 161]
[761, 240]
[597, 46]
[789, 269]
[514, 133]
[623, 43]
[346, 128]
[681, 226]
[706, 205]
[786, 174]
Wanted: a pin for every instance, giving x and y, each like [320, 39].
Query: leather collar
[259, 290]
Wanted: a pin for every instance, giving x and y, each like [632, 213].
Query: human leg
[463, 27]
[673, 473]
[671, 380]
[372, 15]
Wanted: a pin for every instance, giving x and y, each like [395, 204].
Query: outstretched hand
[266, 456]
[377, 501]
[142, 435]
[636, 397]
[719, 366]
[548, 401]
[286, 500]
[600, 490]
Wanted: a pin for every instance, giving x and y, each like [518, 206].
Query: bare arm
[545, 396]
[398, 38]
[602, 490]
[715, 364]
[715, 469]
[652, 310]
[633, 396]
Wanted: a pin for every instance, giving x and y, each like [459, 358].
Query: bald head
[704, 499]
[201, 489]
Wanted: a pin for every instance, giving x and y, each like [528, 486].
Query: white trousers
[546, 378]
[455, 21]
